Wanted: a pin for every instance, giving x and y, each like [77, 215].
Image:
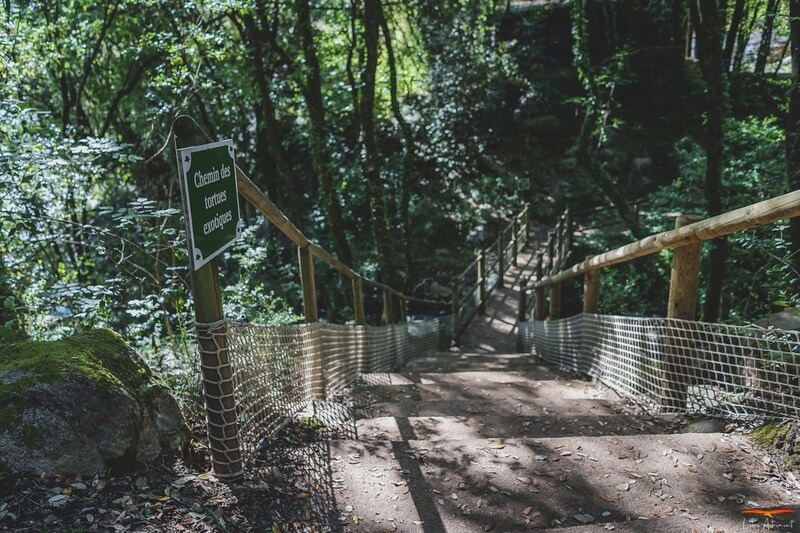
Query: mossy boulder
[83, 405]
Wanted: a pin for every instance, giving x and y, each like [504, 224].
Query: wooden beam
[758, 214]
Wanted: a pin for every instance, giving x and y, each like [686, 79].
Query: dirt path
[485, 439]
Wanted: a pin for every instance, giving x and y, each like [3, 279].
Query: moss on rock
[97, 389]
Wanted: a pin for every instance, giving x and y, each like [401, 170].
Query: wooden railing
[473, 286]
[686, 242]
[214, 349]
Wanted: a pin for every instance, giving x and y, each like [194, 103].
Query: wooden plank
[751, 216]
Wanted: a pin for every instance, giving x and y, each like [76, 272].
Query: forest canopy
[399, 135]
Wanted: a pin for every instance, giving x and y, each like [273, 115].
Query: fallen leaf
[528, 510]
[498, 446]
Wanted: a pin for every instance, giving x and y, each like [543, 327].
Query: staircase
[484, 439]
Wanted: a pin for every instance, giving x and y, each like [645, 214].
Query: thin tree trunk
[267, 126]
[409, 155]
[766, 37]
[708, 25]
[733, 31]
[319, 136]
[793, 127]
[372, 163]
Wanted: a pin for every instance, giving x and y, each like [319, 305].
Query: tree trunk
[766, 37]
[319, 136]
[733, 31]
[372, 163]
[267, 123]
[708, 25]
[793, 127]
[409, 155]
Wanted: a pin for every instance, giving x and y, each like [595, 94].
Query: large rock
[83, 405]
[788, 319]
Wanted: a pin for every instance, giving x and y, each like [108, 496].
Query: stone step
[680, 481]
[506, 426]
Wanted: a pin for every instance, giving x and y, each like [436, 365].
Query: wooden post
[481, 282]
[308, 284]
[555, 301]
[388, 312]
[358, 301]
[684, 280]
[523, 300]
[223, 430]
[540, 301]
[515, 241]
[591, 290]
[501, 260]
[315, 377]
[551, 252]
[403, 310]
[456, 309]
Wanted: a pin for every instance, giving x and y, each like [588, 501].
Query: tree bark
[708, 25]
[372, 162]
[409, 152]
[793, 127]
[267, 125]
[319, 136]
[733, 32]
[766, 37]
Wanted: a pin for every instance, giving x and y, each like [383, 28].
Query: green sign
[210, 199]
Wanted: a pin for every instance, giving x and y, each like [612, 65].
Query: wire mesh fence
[678, 366]
[280, 372]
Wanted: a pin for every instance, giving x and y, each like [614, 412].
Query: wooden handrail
[751, 216]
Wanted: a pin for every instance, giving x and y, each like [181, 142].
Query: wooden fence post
[308, 284]
[481, 282]
[388, 312]
[540, 301]
[591, 290]
[684, 280]
[555, 301]
[501, 260]
[358, 301]
[523, 300]
[223, 429]
[403, 310]
[315, 373]
[515, 240]
[456, 309]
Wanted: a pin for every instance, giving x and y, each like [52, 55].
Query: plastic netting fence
[279, 372]
[678, 366]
